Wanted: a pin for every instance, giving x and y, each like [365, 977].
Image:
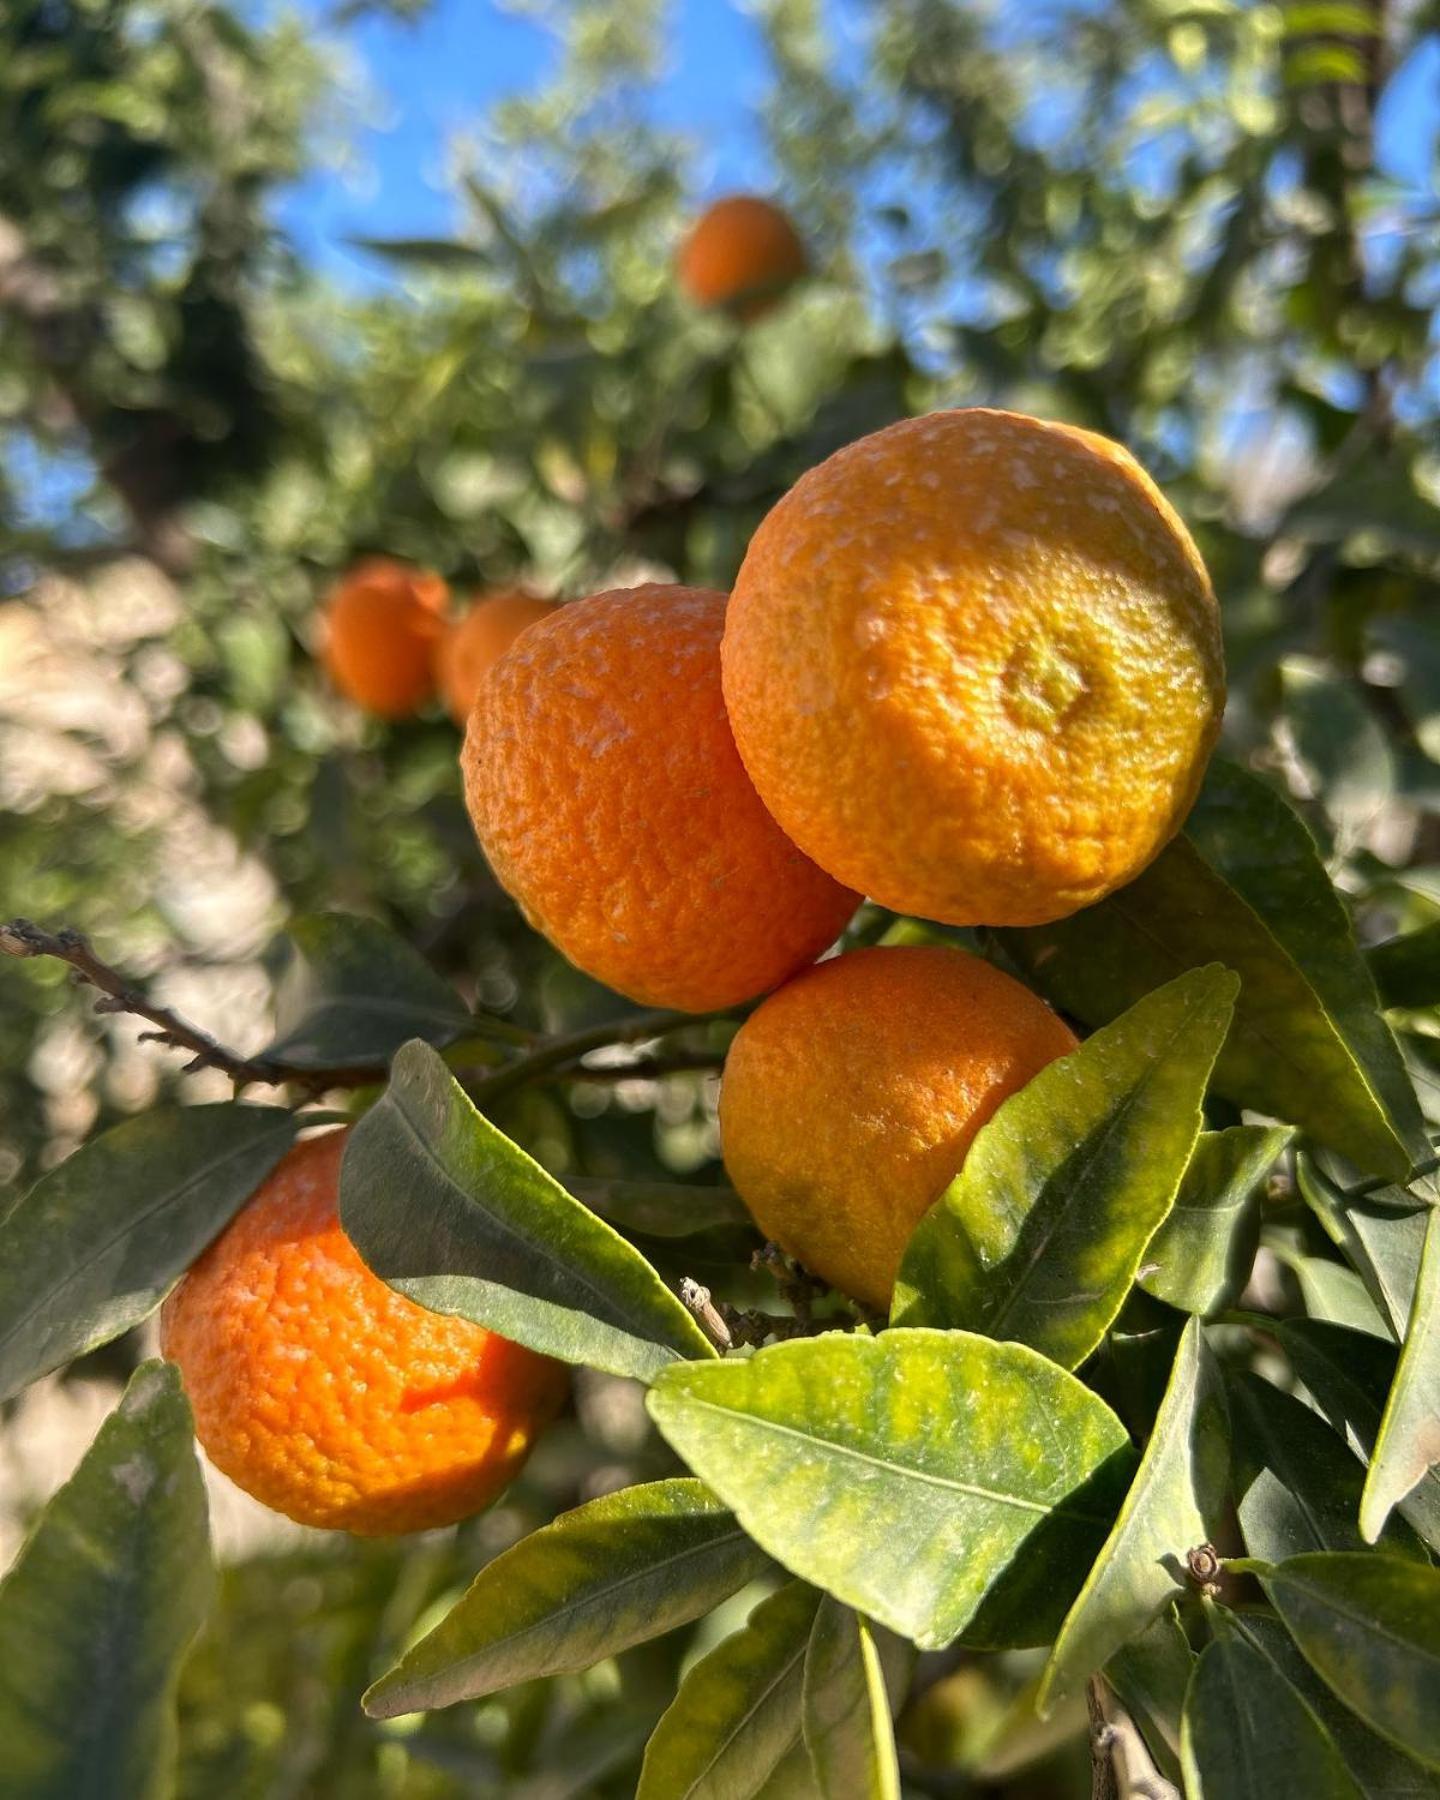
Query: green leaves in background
[1039, 1236]
[1382, 1236]
[352, 993]
[1244, 885]
[446, 1209]
[96, 1245]
[1249, 1736]
[1348, 1375]
[1176, 1503]
[1370, 1626]
[101, 1606]
[1408, 1446]
[1407, 969]
[736, 1718]
[1202, 1254]
[609, 1575]
[846, 1709]
[1151, 1674]
[1297, 1484]
[905, 1474]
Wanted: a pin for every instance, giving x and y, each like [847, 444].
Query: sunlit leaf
[101, 1605]
[1176, 1503]
[905, 1474]
[96, 1245]
[1408, 1446]
[1383, 1241]
[612, 1574]
[446, 1209]
[736, 1718]
[1244, 886]
[1040, 1235]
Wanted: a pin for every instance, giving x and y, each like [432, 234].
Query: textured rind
[606, 791]
[479, 639]
[383, 625]
[973, 666]
[851, 1096]
[741, 252]
[327, 1395]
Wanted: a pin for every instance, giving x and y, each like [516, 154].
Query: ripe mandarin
[605, 789]
[973, 667]
[742, 252]
[383, 625]
[327, 1395]
[852, 1094]
[470, 646]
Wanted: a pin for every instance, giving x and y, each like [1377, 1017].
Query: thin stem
[559, 1052]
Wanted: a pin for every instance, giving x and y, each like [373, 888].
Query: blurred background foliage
[1210, 229]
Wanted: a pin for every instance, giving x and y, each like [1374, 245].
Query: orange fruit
[605, 789]
[973, 667]
[383, 625]
[327, 1395]
[851, 1096]
[475, 641]
[743, 253]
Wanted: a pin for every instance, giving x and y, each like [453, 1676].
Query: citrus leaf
[1369, 1625]
[905, 1474]
[97, 1243]
[1341, 745]
[1039, 1236]
[736, 1718]
[1334, 1293]
[1382, 1236]
[1151, 1675]
[434, 254]
[1244, 885]
[1247, 1734]
[352, 993]
[1176, 1502]
[1200, 1258]
[1407, 1449]
[101, 1605]
[1378, 1769]
[1407, 969]
[1348, 1375]
[662, 1209]
[1297, 1485]
[454, 1216]
[846, 1709]
[609, 1575]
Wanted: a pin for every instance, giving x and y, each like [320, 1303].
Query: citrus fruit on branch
[742, 253]
[383, 625]
[327, 1395]
[973, 667]
[851, 1096]
[475, 641]
[607, 793]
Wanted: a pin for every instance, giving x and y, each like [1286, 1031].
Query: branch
[558, 1053]
[1121, 1768]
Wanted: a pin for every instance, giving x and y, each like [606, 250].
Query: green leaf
[1244, 885]
[1176, 1502]
[662, 1209]
[101, 1605]
[600, 1579]
[1408, 1447]
[1039, 1236]
[1200, 1258]
[352, 993]
[1248, 1735]
[1297, 1485]
[904, 1474]
[1151, 1674]
[1407, 969]
[736, 1718]
[1339, 740]
[1370, 1626]
[96, 1245]
[435, 254]
[1382, 1236]
[1378, 1769]
[1348, 1376]
[846, 1709]
[445, 1208]
[1333, 1292]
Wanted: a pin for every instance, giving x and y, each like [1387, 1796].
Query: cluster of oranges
[971, 669]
